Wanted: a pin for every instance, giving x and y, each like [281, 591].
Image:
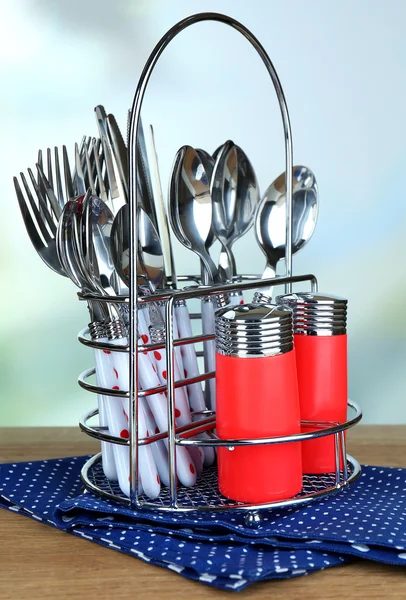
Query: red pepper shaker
[257, 397]
[320, 337]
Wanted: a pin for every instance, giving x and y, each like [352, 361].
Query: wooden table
[39, 562]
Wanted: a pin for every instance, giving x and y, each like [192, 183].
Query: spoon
[92, 238]
[235, 196]
[111, 408]
[270, 219]
[208, 164]
[152, 263]
[97, 224]
[150, 269]
[191, 208]
[150, 257]
[162, 218]
[191, 219]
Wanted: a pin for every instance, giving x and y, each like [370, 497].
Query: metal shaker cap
[316, 313]
[313, 298]
[254, 330]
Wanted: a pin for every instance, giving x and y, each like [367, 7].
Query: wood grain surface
[39, 562]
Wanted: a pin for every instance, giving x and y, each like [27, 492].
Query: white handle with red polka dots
[146, 464]
[158, 448]
[186, 470]
[177, 349]
[189, 358]
[143, 324]
[158, 359]
[191, 369]
[199, 455]
[108, 461]
[182, 410]
[115, 419]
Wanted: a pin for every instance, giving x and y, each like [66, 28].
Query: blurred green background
[342, 66]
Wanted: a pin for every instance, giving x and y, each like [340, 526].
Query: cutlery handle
[178, 352]
[227, 266]
[182, 410]
[200, 455]
[143, 329]
[178, 355]
[148, 378]
[189, 358]
[209, 350]
[108, 462]
[269, 273]
[162, 219]
[158, 448]
[146, 464]
[116, 421]
[191, 369]
[158, 360]
[209, 270]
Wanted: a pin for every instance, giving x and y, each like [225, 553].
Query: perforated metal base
[205, 494]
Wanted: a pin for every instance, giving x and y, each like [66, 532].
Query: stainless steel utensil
[144, 186]
[150, 257]
[97, 221]
[52, 167]
[40, 225]
[85, 245]
[41, 203]
[190, 207]
[151, 267]
[162, 219]
[117, 197]
[92, 159]
[97, 226]
[235, 196]
[42, 230]
[119, 150]
[208, 164]
[270, 219]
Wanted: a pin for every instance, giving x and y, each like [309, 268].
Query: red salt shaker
[320, 337]
[257, 397]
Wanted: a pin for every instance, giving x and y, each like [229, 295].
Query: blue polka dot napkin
[365, 521]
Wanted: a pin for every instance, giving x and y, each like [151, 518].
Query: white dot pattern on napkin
[369, 512]
[367, 520]
[52, 494]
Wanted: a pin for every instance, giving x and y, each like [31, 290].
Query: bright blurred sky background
[342, 66]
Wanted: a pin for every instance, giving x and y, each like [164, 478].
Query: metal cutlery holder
[205, 494]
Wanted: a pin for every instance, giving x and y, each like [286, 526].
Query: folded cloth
[50, 491]
[366, 520]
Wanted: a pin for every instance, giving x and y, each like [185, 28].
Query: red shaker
[320, 338]
[257, 397]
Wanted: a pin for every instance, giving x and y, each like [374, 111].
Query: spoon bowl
[235, 196]
[270, 219]
[150, 266]
[191, 207]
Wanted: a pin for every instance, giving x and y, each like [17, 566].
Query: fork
[41, 219]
